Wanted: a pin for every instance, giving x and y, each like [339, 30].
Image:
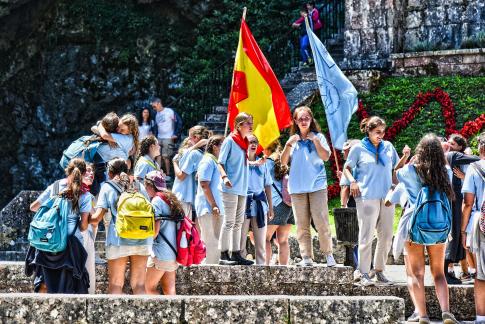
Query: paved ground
[397, 273]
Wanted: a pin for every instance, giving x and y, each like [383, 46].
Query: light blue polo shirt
[259, 178]
[307, 172]
[475, 184]
[373, 178]
[276, 183]
[185, 189]
[85, 204]
[108, 199]
[143, 166]
[125, 144]
[208, 171]
[233, 158]
[160, 249]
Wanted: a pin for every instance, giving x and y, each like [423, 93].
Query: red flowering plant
[469, 129]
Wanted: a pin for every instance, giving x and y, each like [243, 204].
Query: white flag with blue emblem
[339, 96]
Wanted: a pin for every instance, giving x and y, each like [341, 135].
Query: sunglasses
[303, 119]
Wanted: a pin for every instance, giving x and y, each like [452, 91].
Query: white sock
[472, 270]
[480, 318]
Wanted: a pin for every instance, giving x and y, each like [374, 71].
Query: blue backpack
[84, 147]
[48, 228]
[431, 218]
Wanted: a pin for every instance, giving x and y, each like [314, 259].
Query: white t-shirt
[166, 123]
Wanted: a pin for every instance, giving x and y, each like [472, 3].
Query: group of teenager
[229, 188]
[375, 179]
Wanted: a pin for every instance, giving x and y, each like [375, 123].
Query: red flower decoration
[469, 129]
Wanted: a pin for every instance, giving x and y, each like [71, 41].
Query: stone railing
[463, 62]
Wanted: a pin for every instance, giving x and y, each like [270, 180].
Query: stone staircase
[242, 286]
[281, 285]
[216, 120]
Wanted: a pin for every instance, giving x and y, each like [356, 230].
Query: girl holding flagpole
[308, 149]
[234, 169]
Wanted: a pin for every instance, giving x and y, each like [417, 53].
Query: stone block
[37, 308]
[455, 13]
[346, 310]
[133, 309]
[369, 42]
[15, 217]
[236, 309]
[415, 4]
[384, 41]
[461, 298]
[414, 19]
[377, 18]
[352, 43]
[435, 17]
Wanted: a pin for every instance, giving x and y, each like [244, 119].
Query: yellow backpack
[136, 219]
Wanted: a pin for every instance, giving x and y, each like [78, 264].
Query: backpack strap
[479, 169]
[55, 188]
[150, 163]
[277, 190]
[168, 242]
[113, 185]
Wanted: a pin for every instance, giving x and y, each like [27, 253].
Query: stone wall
[374, 29]
[464, 62]
[443, 24]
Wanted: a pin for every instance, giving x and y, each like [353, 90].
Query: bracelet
[288, 145]
[224, 176]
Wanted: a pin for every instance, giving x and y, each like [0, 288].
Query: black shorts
[283, 215]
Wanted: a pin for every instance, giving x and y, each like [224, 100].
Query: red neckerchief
[85, 188]
[243, 143]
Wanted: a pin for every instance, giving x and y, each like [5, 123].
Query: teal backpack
[84, 147]
[431, 218]
[48, 228]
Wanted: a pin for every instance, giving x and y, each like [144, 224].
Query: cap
[157, 178]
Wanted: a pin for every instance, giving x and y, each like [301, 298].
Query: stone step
[219, 110]
[216, 117]
[17, 252]
[47, 308]
[266, 280]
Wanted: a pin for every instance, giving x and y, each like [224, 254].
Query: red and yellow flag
[256, 91]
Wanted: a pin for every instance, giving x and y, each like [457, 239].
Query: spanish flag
[256, 91]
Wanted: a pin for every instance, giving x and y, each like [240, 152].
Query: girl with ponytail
[70, 187]
[184, 185]
[120, 250]
[208, 201]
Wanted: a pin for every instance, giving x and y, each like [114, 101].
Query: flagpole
[336, 160]
[245, 9]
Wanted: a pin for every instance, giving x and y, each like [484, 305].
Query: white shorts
[167, 266]
[115, 252]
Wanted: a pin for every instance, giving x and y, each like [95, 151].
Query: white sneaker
[366, 281]
[306, 262]
[357, 275]
[382, 280]
[331, 261]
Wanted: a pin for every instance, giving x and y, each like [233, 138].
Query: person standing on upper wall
[372, 162]
[165, 119]
[234, 168]
[308, 149]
